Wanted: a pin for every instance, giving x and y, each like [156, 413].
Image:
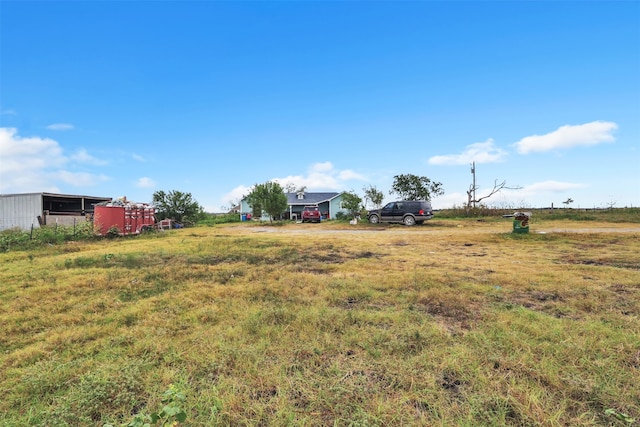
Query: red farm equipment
[123, 217]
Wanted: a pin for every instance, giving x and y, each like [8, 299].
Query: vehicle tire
[373, 219]
[409, 220]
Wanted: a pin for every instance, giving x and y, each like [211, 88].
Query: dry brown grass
[456, 322]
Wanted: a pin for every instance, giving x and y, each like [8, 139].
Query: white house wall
[20, 210]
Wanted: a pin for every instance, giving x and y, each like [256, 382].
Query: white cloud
[323, 177]
[37, 181]
[536, 193]
[82, 156]
[320, 177]
[78, 179]
[138, 157]
[568, 136]
[314, 181]
[37, 164]
[449, 200]
[235, 195]
[20, 154]
[321, 167]
[145, 182]
[348, 174]
[551, 187]
[60, 126]
[480, 152]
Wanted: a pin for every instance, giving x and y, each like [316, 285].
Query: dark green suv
[407, 212]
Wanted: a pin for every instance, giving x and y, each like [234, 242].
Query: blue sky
[126, 98]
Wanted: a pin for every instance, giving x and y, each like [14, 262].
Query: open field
[456, 322]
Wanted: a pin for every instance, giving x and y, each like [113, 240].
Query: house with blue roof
[329, 204]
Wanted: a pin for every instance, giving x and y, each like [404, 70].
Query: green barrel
[521, 222]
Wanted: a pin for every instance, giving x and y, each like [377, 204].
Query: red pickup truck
[311, 214]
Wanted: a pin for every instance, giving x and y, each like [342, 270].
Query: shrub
[13, 238]
[113, 232]
[212, 219]
[17, 239]
[341, 216]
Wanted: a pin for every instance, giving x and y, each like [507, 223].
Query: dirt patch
[544, 302]
[633, 265]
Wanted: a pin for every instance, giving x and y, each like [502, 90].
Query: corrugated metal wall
[20, 210]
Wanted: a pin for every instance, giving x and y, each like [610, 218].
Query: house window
[300, 196]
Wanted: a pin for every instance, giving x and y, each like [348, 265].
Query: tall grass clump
[479, 211]
[213, 219]
[38, 237]
[14, 238]
[17, 239]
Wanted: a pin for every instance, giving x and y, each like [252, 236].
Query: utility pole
[473, 172]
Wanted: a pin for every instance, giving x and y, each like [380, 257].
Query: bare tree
[292, 187]
[472, 198]
[233, 207]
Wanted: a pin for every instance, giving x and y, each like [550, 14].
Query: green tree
[352, 203]
[268, 197]
[373, 195]
[413, 187]
[179, 206]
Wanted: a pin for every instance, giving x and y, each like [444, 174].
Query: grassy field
[456, 322]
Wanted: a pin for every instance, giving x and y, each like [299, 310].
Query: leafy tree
[352, 203]
[268, 197]
[179, 206]
[413, 187]
[373, 195]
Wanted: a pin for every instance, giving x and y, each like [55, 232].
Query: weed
[620, 416]
[171, 413]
